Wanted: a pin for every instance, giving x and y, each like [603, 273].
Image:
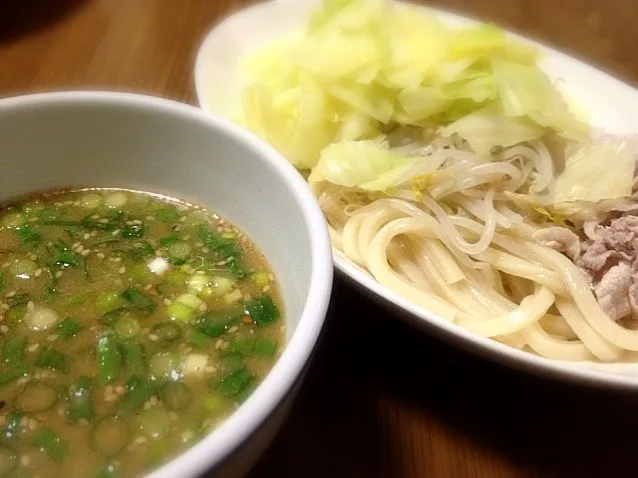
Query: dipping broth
[131, 325]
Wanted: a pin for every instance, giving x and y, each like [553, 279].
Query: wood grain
[381, 399]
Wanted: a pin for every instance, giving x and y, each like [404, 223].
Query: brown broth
[87, 256]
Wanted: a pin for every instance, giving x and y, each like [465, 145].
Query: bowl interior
[141, 143]
[114, 144]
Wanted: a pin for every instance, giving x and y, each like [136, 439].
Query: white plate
[611, 105]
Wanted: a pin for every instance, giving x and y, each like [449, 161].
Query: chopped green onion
[140, 251]
[17, 299]
[138, 391]
[110, 436]
[179, 251]
[242, 346]
[68, 328]
[179, 311]
[13, 350]
[111, 318]
[176, 277]
[167, 331]
[232, 362]
[12, 374]
[168, 214]
[261, 278]
[213, 324]
[107, 301]
[27, 235]
[108, 359]
[79, 403]
[101, 224]
[154, 423]
[164, 364]
[263, 311]
[35, 397]
[127, 327]
[13, 220]
[168, 240]
[197, 338]
[264, 347]
[133, 230]
[175, 395]
[53, 445]
[116, 200]
[138, 300]
[133, 357]
[52, 359]
[235, 383]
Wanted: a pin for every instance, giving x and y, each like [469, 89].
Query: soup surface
[131, 325]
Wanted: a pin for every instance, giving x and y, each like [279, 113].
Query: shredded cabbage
[361, 66]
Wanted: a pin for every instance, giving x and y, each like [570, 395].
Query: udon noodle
[461, 246]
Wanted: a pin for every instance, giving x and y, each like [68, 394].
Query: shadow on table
[22, 17]
[382, 378]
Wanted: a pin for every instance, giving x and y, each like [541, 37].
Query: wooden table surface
[455, 415]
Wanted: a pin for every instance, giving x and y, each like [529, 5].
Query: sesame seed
[75, 245]
[203, 307]
[148, 286]
[52, 338]
[210, 369]
[233, 329]
[94, 234]
[86, 235]
[10, 294]
[4, 329]
[30, 305]
[153, 337]
[37, 272]
[266, 288]
[25, 460]
[100, 255]
[58, 274]
[140, 440]
[166, 302]
[33, 347]
[85, 252]
[205, 250]
[122, 270]
[6, 264]
[33, 424]
[116, 232]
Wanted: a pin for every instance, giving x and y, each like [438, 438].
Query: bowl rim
[611, 376]
[215, 447]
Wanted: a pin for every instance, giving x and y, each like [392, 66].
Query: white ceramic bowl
[611, 105]
[128, 141]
